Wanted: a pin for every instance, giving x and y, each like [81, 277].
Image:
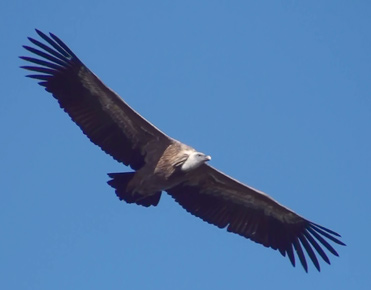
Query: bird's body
[164, 173]
[161, 163]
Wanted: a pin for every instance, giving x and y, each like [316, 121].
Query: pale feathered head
[194, 160]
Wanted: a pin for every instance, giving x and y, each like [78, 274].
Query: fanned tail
[120, 182]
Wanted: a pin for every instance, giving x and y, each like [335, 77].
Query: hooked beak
[208, 158]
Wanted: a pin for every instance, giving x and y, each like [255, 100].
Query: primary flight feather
[162, 163]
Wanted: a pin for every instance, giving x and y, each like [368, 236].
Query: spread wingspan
[204, 192]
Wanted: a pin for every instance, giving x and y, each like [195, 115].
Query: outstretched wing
[222, 201]
[100, 113]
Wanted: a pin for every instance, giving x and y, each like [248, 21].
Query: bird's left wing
[223, 201]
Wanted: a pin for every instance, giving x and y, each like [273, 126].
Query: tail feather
[120, 181]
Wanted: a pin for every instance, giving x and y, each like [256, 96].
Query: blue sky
[277, 92]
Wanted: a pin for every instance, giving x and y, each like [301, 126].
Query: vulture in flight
[161, 163]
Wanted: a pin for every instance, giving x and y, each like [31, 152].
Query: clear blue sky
[277, 92]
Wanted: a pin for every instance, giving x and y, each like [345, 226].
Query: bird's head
[194, 160]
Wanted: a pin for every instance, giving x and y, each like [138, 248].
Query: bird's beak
[208, 157]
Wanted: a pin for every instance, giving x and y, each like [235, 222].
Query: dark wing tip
[54, 53]
[315, 237]
[51, 57]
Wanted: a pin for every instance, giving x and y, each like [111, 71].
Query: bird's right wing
[100, 113]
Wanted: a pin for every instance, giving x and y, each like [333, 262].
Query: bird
[163, 164]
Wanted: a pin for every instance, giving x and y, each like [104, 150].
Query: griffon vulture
[161, 163]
